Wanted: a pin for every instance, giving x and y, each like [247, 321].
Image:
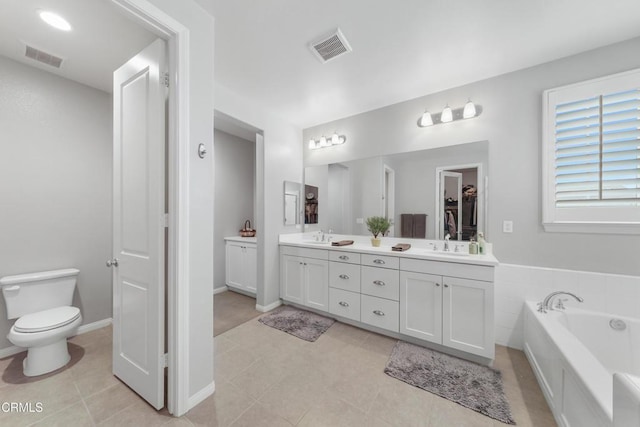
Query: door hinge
[165, 79]
[166, 220]
[165, 360]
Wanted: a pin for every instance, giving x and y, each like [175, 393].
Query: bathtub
[574, 354]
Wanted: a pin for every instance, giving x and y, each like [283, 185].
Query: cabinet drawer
[380, 261]
[340, 256]
[344, 303]
[344, 276]
[380, 282]
[379, 312]
[304, 252]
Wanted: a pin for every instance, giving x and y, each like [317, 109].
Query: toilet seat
[47, 320]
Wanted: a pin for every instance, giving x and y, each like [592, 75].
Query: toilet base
[42, 360]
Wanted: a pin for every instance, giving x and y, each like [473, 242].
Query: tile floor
[265, 377]
[231, 309]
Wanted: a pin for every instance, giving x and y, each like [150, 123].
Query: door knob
[112, 262]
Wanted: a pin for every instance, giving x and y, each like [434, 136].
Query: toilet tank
[33, 292]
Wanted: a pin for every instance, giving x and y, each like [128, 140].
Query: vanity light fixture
[469, 111]
[324, 142]
[55, 20]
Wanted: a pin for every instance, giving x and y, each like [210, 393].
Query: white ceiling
[101, 40]
[401, 49]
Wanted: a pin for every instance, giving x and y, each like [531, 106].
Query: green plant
[378, 225]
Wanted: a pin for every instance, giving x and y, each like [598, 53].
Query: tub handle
[12, 288]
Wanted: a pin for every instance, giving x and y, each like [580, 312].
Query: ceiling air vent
[330, 47]
[44, 57]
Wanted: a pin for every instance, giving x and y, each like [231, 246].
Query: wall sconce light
[324, 142]
[469, 111]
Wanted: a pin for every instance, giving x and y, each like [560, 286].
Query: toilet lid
[47, 319]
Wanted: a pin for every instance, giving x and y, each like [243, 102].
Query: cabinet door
[291, 282]
[421, 306]
[251, 267]
[468, 316]
[316, 282]
[234, 265]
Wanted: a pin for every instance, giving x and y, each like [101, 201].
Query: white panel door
[292, 269]
[468, 316]
[421, 306]
[316, 281]
[138, 223]
[251, 267]
[235, 265]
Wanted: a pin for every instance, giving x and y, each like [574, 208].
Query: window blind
[597, 151]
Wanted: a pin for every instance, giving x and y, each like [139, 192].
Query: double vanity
[424, 295]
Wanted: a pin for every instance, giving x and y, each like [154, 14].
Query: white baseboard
[83, 329]
[220, 290]
[201, 395]
[265, 308]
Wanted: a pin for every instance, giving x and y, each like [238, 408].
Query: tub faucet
[446, 242]
[547, 303]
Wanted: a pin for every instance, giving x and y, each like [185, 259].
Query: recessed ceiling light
[55, 20]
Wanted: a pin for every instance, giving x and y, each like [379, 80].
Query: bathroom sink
[315, 242]
[460, 254]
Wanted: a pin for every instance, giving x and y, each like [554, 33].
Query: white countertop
[241, 239]
[420, 248]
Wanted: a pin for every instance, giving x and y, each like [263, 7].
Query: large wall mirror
[427, 194]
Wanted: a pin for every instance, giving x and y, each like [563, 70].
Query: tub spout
[547, 303]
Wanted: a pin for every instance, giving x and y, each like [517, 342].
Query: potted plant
[377, 225]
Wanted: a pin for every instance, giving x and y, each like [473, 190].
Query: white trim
[220, 290]
[592, 227]
[201, 395]
[82, 329]
[177, 36]
[265, 308]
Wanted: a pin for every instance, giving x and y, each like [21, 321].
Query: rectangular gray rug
[299, 323]
[469, 384]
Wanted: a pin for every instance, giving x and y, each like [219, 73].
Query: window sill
[592, 227]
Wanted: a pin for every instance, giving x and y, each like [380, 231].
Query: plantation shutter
[597, 151]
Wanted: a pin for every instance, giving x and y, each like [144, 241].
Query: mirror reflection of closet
[459, 202]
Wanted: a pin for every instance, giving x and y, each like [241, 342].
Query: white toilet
[42, 304]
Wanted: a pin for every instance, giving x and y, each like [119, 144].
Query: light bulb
[312, 144]
[426, 119]
[335, 139]
[324, 142]
[447, 115]
[469, 110]
[55, 20]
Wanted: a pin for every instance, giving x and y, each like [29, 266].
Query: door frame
[481, 191]
[177, 37]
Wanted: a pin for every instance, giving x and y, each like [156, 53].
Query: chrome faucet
[547, 303]
[446, 242]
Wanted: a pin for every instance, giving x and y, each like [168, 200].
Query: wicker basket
[247, 231]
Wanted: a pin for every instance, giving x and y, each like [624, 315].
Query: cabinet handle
[343, 276]
[344, 304]
[379, 283]
[446, 286]
[343, 257]
[378, 261]
[438, 284]
[301, 264]
[378, 313]
[305, 263]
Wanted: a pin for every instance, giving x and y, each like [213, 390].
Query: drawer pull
[343, 257]
[437, 284]
[378, 312]
[344, 304]
[446, 286]
[343, 276]
[378, 261]
[379, 283]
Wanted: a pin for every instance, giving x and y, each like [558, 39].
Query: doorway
[459, 201]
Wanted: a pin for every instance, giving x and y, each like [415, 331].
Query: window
[591, 156]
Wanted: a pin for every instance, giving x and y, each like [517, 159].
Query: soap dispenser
[473, 247]
[481, 243]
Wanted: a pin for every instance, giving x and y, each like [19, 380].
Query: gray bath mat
[471, 385]
[299, 323]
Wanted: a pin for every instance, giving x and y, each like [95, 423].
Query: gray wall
[235, 171]
[511, 122]
[55, 183]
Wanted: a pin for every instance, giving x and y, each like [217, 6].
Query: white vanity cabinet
[241, 265]
[456, 312]
[305, 277]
